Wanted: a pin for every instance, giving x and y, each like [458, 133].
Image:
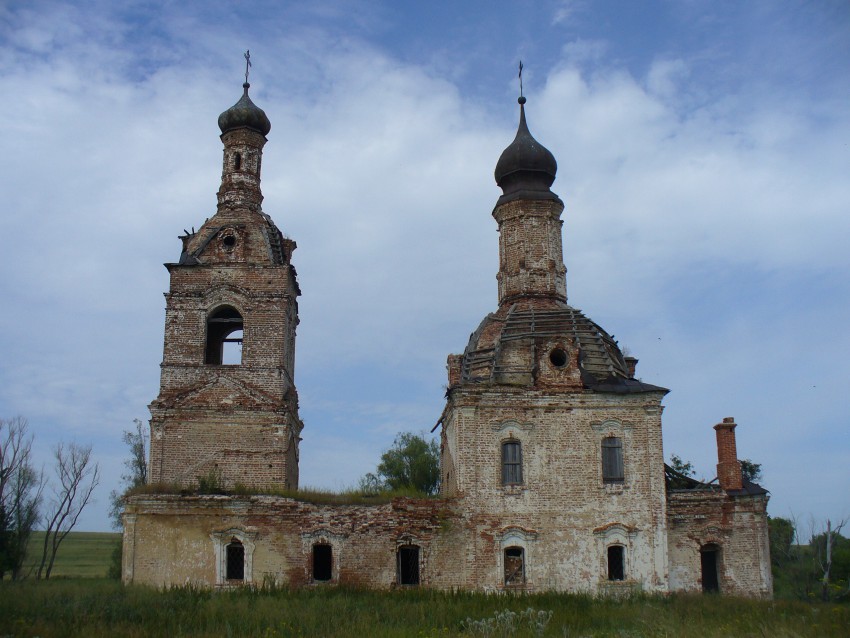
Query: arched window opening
[616, 562]
[710, 562]
[612, 460]
[224, 337]
[322, 562]
[237, 162]
[514, 566]
[235, 560]
[511, 463]
[407, 559]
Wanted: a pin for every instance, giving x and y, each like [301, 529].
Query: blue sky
[703, 151]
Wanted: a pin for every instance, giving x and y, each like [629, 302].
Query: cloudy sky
[704, 157]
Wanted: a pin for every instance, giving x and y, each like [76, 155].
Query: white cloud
[705, 230]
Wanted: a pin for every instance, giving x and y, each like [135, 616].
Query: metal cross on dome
[248, 64]
[520, 78]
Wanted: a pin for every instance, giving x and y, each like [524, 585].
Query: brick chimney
[728, 466]
[631, 366]
[453, 365]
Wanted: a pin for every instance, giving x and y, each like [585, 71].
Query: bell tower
[227, 408]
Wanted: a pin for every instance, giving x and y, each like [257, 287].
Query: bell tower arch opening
[225, 329]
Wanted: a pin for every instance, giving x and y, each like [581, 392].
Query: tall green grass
[105, 608]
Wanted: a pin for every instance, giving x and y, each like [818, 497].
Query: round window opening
[558, 357]
[229, 241]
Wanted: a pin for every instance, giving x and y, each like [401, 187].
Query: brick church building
[553, 475]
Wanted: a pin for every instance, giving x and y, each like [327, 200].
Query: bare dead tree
[20, 494]
[76, 479]
[824, 554]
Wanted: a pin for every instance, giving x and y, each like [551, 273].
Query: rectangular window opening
[511, 463]
[514, 566]
[612, 460]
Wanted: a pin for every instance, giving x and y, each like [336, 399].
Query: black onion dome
[244, 114]
[526, 168]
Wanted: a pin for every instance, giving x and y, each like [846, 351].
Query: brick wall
[563, 506]
[530, 252]
[736, 525]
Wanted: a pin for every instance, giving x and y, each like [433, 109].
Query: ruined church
[552, 466]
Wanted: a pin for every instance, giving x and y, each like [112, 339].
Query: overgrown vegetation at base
[105, 608]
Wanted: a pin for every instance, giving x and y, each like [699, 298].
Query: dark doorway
[514, 566]
[709, 558]
[235, 560]
[616, 562]
[322, 562]
[408, 565]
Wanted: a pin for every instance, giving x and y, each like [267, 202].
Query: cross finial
[247, 64]
[520, 78]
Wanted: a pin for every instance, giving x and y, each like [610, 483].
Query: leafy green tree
[751, 471]
[781, 532]
[685, 468]
[20, 494]
[137, 470]
[682, 471]
[135, 476]
[412, 463]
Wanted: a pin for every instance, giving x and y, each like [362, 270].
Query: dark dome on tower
[244, 114]
[526, 168]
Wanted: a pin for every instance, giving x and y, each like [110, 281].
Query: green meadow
[81, 554]
[78, 601]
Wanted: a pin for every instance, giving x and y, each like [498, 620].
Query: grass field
[79, 602]
[81, 554]
[93, 607]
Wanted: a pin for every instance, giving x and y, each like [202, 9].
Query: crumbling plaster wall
[171, 540]
[563, 509]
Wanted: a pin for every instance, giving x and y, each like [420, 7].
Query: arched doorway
[235, 560]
